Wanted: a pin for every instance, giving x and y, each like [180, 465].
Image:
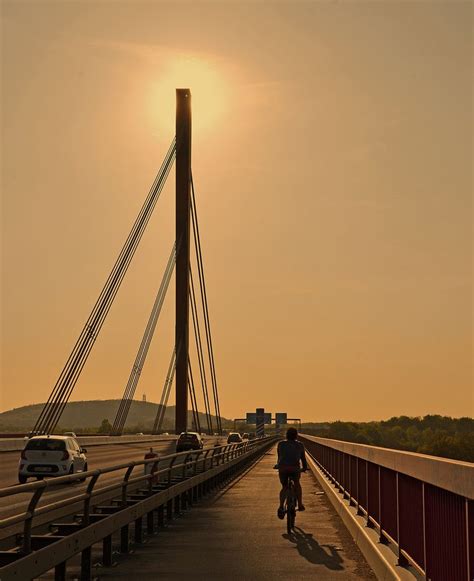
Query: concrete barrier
[453, 475]
[17, 444]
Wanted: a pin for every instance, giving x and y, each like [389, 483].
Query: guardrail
[171, 483]
[17, 444]
[423, 505]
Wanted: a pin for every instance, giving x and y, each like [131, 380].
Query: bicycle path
[236, 535]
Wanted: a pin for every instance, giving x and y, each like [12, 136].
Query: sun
[209, 92]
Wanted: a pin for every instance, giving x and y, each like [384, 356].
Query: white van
[51, 456]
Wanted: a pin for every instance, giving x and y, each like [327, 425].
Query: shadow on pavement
[315, 553]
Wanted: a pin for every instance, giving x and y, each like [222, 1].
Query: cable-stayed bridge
[371, 513]
[190, 292]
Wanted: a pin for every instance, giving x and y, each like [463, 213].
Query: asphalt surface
[236, 535]
[97, 457]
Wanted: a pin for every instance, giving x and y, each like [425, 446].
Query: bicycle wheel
[290, 509]
[289, 521]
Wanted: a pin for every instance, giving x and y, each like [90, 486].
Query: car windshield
[46, 444]
[188, 437]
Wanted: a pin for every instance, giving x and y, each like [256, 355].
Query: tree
[105, 427]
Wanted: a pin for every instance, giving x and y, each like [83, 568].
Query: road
[97, 457]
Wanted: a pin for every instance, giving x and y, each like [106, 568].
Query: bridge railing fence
[423, 505]
[175, 479]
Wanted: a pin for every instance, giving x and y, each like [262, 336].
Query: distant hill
[88, 415]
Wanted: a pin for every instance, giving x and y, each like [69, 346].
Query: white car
[51, 456]
[72, 434]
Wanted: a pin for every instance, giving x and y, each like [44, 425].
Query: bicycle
[291, 501]
[290, 506]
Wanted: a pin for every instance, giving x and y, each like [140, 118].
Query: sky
[332, 160]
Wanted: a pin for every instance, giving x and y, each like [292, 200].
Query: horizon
[303, 421]
[332, 158]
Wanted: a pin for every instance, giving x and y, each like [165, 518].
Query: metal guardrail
[17, 444]
[171, 483]
[432, 527]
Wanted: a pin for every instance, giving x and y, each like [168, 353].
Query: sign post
[260, 421]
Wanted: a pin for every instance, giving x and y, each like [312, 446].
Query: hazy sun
[209, 93]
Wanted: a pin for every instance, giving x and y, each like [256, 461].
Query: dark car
[189, 441]
[234, 438]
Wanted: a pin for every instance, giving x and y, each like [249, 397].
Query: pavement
[236, 535]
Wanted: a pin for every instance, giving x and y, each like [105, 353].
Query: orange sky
[333, 167]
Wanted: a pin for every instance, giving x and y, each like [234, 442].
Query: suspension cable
[192, 393]
[160, 414]
[202, 369]
[207, 324]
[64, 386]
[130, 388]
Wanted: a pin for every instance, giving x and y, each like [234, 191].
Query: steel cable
[130, 388]
[160, 415]
[58, 398]
[207, 324]
[192, 393]
[94, 328]
[202, 369]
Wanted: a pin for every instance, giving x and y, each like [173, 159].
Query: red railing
[423, 505]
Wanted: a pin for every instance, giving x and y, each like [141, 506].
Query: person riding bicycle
[290, 453]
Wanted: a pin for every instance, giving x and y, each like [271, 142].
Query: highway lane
[97, 457]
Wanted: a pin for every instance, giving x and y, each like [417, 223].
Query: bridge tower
[183, 209]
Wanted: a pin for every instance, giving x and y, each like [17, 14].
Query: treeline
[435, 435]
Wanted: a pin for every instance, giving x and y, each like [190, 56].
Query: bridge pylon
[183, 212]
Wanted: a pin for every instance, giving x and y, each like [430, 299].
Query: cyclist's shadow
[313, 552]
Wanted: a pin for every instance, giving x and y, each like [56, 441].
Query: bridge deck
[237, 535]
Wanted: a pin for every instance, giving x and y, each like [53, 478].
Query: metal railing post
[367, 501]
[196, 462]
[30, 511]
[382, 537]
[138, 530]
[87, 501]
[424, 524]
[60, 572]
[170, 469]
[401, 559]
[150, 522]
[107, 559]
[154, 468]
[204, 460]
[161, 515]
[185, 464]
[124, 541]
[126, 478]
[86, 564]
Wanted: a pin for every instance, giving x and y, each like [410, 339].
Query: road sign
[281, 418]
[252, 418]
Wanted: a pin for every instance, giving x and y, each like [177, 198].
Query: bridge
[211, 513]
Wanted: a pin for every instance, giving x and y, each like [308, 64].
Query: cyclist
[290, 453]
